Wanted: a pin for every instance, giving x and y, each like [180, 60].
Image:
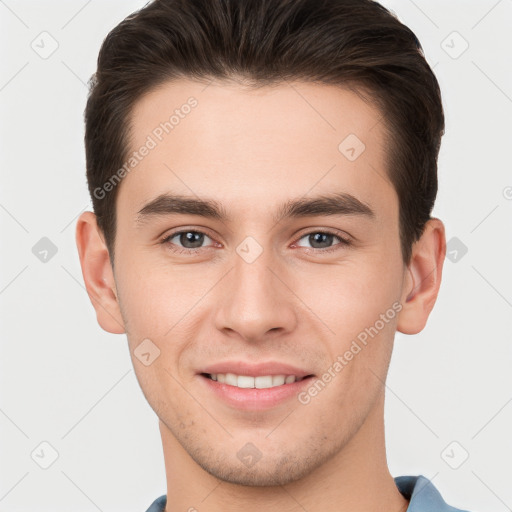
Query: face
[252, 288]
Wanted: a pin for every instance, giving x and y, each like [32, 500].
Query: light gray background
[65, 381]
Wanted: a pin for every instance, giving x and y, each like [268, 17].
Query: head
[269, 123]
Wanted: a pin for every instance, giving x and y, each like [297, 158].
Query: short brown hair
[356, 43]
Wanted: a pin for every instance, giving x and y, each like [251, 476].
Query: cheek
[156, 297]
[157, 307]
[169, 305]
[351, 296]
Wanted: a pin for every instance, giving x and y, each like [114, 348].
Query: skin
[252, 150]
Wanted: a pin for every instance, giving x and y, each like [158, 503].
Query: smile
[259, 382]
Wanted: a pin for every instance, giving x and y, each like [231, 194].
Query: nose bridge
[257, 301]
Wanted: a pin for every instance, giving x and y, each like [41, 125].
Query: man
[262, 175]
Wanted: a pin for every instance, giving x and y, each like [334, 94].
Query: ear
[98, 274]
[423, 280]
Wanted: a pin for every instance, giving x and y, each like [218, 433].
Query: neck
[354, 479]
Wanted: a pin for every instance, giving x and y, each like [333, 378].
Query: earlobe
[424, 278]
[97, 273]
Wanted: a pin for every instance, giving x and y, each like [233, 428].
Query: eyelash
[344, 242]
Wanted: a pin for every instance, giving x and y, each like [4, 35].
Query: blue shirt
[423, 496]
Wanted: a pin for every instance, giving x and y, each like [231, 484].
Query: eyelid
[185, 229]
[328, 231]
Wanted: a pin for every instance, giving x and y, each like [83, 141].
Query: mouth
[253, 393]
[253, 386]
[254, 382]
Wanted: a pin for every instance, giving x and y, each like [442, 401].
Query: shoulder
[158, 505]
[423, 495]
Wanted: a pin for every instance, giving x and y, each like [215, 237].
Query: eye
[191, 241]
[186, 241]
[323, 241]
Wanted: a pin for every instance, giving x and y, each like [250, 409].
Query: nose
[256, 300]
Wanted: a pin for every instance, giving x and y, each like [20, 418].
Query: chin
[280, 470]
[261, 477]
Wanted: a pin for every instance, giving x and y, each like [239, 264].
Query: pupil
[193, 238]
[320, 238]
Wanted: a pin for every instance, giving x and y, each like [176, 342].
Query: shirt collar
[420, 492]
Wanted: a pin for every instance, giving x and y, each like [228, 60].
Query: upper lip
[255, 370]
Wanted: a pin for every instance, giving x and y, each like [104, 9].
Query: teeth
[231, 379]
[244, 381]
[260, 382]
[278, 380]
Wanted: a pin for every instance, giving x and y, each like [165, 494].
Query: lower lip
[252, 398]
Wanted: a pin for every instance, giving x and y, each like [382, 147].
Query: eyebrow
[340, 203]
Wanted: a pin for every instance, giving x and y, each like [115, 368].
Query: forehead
[253, 147]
